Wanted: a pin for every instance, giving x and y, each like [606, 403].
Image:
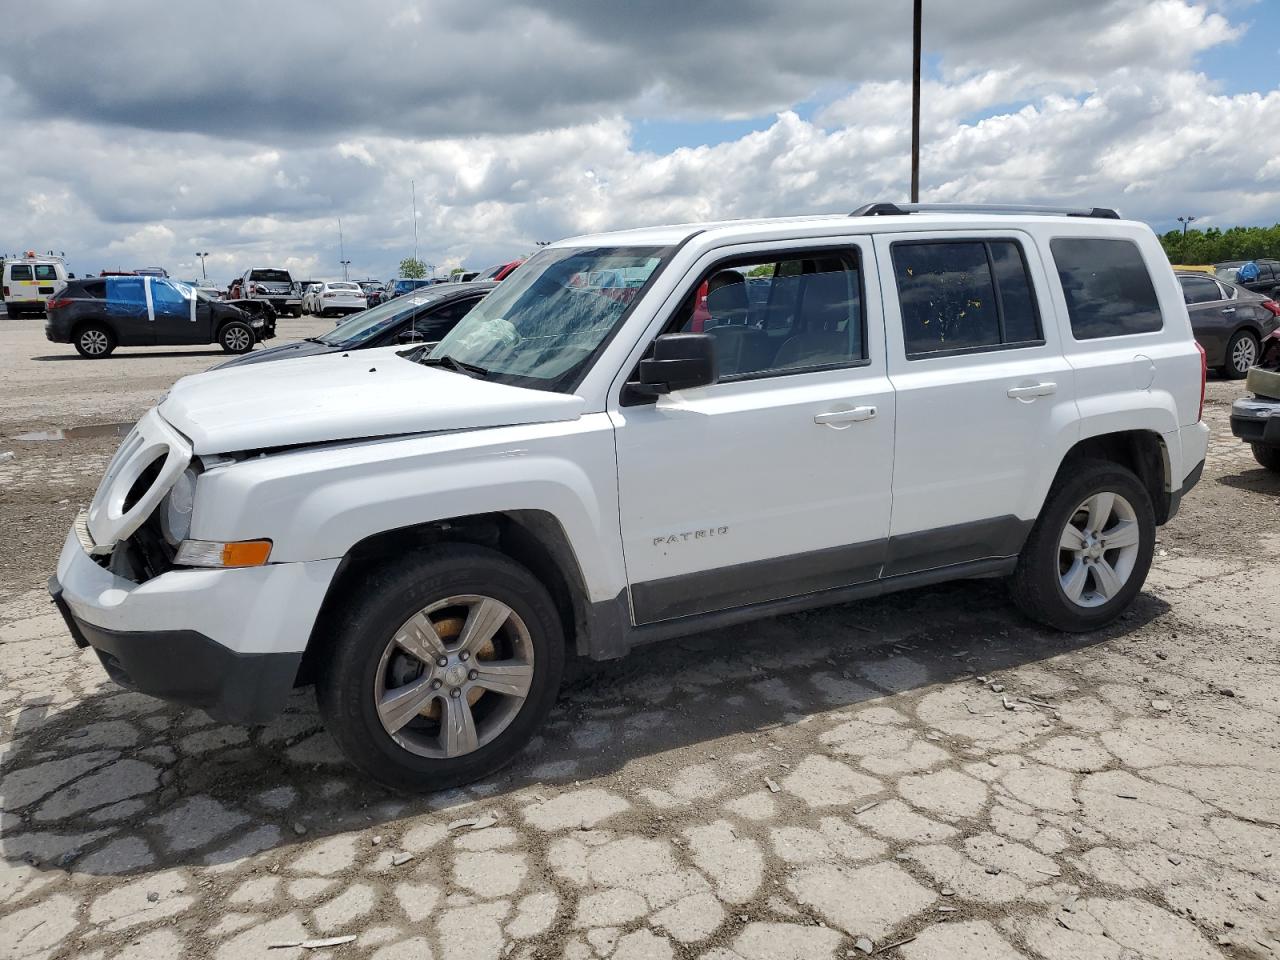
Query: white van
[28, 282]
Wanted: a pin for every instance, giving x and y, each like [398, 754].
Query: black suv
[101, 314]
[1267, 283]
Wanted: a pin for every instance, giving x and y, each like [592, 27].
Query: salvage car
[338, 297]
[1256, 419]
[922, 395]
[1229, 321]
[273, 285]
[421, 317]
[100, 314]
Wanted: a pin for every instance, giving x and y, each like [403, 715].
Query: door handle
[845, 417]
[1228, 309]
[1034, 390]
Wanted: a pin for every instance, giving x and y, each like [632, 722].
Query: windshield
[370, 323]
[542, 327]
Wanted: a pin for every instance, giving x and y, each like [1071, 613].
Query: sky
[134, 134]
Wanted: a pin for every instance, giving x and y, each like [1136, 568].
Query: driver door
[775, 481]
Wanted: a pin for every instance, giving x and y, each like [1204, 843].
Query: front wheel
[1268, 457]
[236, 337]
[1089, 552]
[1242, 353]
[441, 667]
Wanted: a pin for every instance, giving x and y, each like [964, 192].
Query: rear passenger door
[983, 393]
[128, 311]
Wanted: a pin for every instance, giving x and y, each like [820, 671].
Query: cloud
[516, 122]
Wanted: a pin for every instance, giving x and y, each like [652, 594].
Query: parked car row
[872, 402]
[1230, 321]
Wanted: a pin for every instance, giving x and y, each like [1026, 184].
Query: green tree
[411, 268]
[1215, 245]
[455, 271]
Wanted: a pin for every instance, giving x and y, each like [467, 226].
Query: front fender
[317, 503]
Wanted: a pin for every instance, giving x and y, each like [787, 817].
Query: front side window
[1108, 290]
[543, 326]
[964, 296]
[170, 299]
[46, 271]
[769, 315]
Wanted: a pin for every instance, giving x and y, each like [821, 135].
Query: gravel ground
[924, 776]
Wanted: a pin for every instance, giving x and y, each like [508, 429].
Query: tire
[1046, 570]
[363, 661]
[295, 312]
[1242, 353]
[1268, 457]
[236, 337]
[94, 341]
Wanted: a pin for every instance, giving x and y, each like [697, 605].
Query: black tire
[93, 341]
[1237, 368]
[379, 604]
[1266, 456]
[236, 337]
[1036, 583]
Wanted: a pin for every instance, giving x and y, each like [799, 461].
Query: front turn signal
[211, 553]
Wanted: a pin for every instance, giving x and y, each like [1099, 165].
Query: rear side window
[1199, 290]
[1107, 288]
[46, 271]
[96, 289]
[20, 271]
[963, 296]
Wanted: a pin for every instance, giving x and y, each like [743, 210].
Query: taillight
[57, 303]
[1204, 377]
[4, 292]
[1272, 306]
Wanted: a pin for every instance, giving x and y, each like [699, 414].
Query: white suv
[642, 435]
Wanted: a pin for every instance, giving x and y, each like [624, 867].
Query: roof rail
[900, 209]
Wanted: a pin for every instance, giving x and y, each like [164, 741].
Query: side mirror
[680, 361]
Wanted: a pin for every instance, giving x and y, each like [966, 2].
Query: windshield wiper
[456, 365]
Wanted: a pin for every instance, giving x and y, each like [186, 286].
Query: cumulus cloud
[516, 122]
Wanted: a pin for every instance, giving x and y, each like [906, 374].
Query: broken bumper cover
[1256, 420]
[227, 643]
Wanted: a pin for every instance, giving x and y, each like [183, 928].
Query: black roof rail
[901, 209]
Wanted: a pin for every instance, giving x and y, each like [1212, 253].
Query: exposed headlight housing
[175, 516]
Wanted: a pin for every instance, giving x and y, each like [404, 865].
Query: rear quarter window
[1107, 287]
[20, 271]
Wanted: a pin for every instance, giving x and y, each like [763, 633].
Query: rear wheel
[1268, 457]
[1242, 353]
[236, 337]
[1090, 550]
[441, 667]
[94, 341]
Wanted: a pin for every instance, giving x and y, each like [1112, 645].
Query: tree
[411, 268]
[1215, 245]
[455, 271]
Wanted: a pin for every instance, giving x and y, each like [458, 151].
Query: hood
[285, 351]
[345, 396]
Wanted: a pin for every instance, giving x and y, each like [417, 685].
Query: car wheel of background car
[94, 341]
[1089, 552]
[440, 667]
[1266, 456]
[236, 337]
[1242, 353]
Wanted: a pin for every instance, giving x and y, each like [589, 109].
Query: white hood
[345, 396]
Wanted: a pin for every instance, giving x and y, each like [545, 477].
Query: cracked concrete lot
[923, 776]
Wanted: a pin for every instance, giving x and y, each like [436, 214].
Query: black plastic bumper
[1175, 498]
[187, 667]
[1257, 430]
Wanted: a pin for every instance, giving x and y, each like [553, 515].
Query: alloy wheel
[1244, 355]
[237, 339]
[454, 676]
[1098, 549]
[94, 342]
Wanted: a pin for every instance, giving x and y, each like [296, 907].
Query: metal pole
[342, 250]
[915, 105]
[413, 192]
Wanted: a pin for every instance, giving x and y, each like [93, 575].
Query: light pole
[1186, 222]
[345, 264]
[413, 194]
[915, 102]
[203, 272]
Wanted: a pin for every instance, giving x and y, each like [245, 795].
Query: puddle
[78, 433]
